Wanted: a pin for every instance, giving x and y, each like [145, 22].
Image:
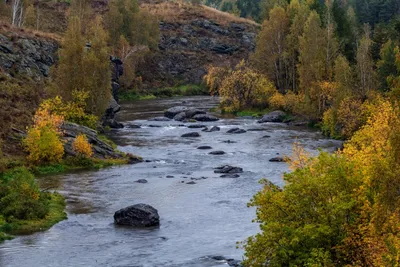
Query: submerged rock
[204, 147]
[228, 169]
[160, 119]
[205, 117]
[139, 215]
[274, 116]
[212, 129]
[194, 134]
[236, 131]
[278, 159]
[233, 175]
[141, 181]
[196, 126]
[217, 152]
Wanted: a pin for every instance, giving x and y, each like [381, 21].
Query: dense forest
[332, 64]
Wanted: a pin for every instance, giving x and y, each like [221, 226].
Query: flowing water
[197, 220]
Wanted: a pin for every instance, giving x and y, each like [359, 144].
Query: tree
[245, 88]
[365, 66]
[17, 9]
[85, 69]
[312, 59]
[387, 65]
[270, 54]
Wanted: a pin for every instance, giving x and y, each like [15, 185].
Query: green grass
[180, 90]
[251, 112]
[106, 140]
[56, 214]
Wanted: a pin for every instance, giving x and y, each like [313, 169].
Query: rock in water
[139, 215]
[196, 126]
[194, 134]
[236, 131]
[141, 181]
[180, 116]
[205, 117]
[228, 169]
[160, 119]
[274, 116]
[171, 112]
[204, 147]
[212, 129]
[278, 159]
[217, 152]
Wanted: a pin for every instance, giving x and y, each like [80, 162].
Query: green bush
[20, 196]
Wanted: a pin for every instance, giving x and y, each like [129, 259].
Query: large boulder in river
[171, 112]
[139, 215]
[205, 117]
[108, 118]
[274, 116]
[180, 116]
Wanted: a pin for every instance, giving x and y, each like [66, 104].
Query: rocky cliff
[25, 53]
[192, 38]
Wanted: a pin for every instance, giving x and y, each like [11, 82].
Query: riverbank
[176, 91]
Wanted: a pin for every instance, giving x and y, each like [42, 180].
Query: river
[197, 220]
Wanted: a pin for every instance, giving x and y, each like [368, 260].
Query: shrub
[20, 196]
[245, 88]
[277, 101]
[214, 78]
[82, 147]
[43, 141]
[73, 111]
[302, 224]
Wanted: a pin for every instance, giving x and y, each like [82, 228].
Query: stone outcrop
[274, 116]
[101, 149]
[21, 54]
[139, 215]
[191, 40]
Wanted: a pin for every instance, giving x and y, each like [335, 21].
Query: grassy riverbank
[24, 207]
[180, 90]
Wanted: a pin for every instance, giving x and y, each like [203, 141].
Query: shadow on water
[198, 220]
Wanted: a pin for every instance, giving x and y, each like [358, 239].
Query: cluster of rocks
[182, 113]
[274, 116]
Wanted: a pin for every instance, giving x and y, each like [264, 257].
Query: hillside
[192, 38]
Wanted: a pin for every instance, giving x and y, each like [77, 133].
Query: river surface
[197, 220]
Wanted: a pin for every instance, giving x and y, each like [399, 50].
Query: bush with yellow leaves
[215, 77]
[245, 88]
[43, 141]
[73, 111]
[82, 147]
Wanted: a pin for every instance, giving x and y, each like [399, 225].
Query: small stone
[217, 152]
[141, 181]
[170, 176]
[230, 175]
[278, 159]
[204, 147]
[191, 182]
[194, 134]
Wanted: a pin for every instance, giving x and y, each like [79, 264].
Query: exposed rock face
[108, 118]
[274, 116]
[139, 215]
[193, 40]
[24, 55]
[101, 150]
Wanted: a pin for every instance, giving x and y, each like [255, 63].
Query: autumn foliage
[336, 209]
[82, 147]
[43, 141]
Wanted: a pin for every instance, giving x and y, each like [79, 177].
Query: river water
[197, 220]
